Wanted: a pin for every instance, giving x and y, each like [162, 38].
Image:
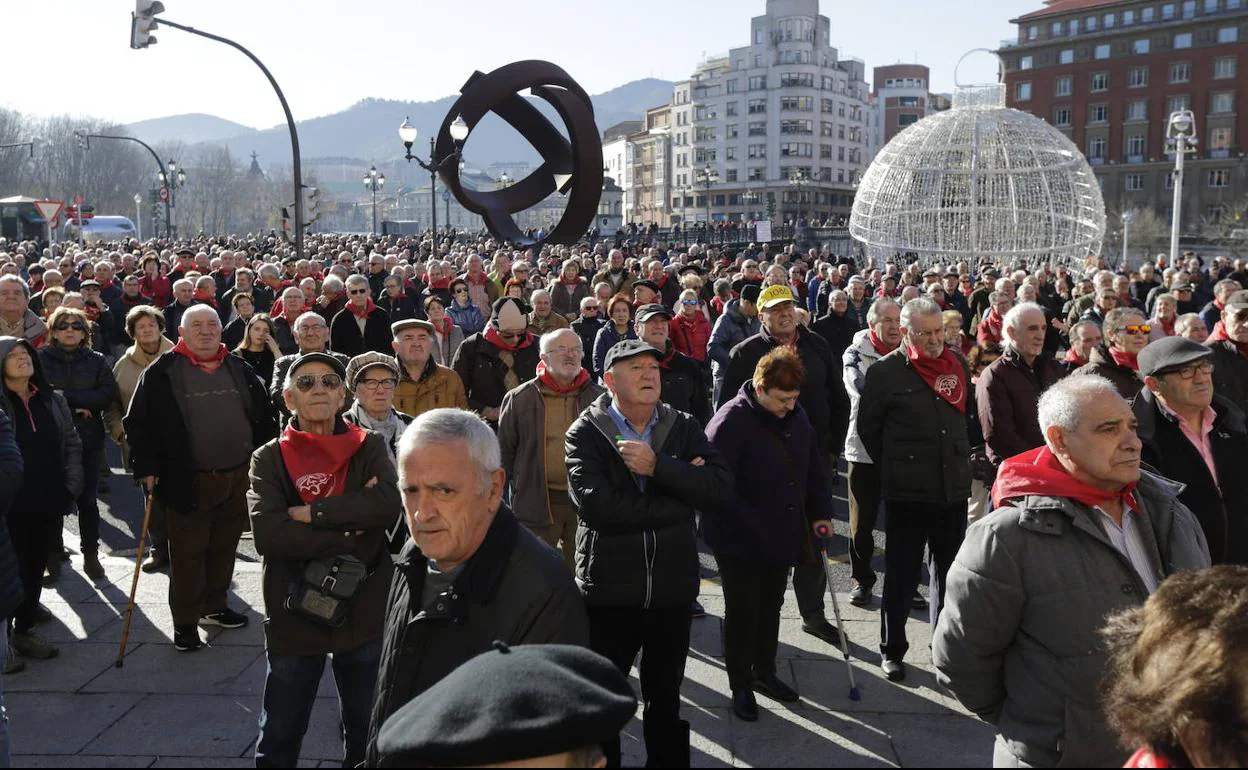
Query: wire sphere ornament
[980, 182]
[571, 166]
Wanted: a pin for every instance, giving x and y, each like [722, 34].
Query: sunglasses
[689, 302]
[77, 326]
[354, 292]
[306, 382]
[461, 291]
[1137, 329]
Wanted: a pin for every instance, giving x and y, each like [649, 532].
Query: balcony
[1220, 154]
[1135, 159]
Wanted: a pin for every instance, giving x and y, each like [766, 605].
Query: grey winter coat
[1031, 587]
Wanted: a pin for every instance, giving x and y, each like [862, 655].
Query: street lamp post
[173, 178]
[374, 180]
[798, 178]
[31, 145]
[459, 132]
[138, 216]
[1126, 236]
[706, 177]
[84, 142]
[1181, 133]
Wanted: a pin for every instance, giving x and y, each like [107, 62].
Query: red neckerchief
[944, 375]
[279, 310]
[994, 322]
[574, 282]
[1123, 358]
[718, 305]
[134, 301]
[358, 313]
[93, 313]
[1146, 757]
[441, 283]
[881, 293]
[1218, 304]
[1219, 335]
[205, 297]
[491, 336]
[207, 364]
[1074, 358]
[480, 280]
[544, 377]
[880, 346]
[1167, 327]
[668, 354]
[447, 325]
[318, 464]
[1038, 472]
[113, 282]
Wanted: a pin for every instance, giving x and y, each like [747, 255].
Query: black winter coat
[478, 365]
[514, 589]
[1222, 507]
[1230, 373]
[587, 330]
[345, 337]
[400, 309]
[10, 481]
[1008, 395]
[157, 432]
[1102, 363]
[919, 441]
[85, 379]
[683, 386]
[638, 548]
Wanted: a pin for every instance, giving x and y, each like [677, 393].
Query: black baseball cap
[627, 349]
[646, 312]
[319, 358]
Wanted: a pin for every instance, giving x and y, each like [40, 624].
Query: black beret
[510, 704]
[651, 285]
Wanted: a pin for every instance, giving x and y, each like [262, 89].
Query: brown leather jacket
[436, 388]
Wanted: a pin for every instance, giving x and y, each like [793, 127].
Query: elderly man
[881, 337]
[311, 335]
[1197, 438]
[1009, 389]
[543, 319]
[637, 472]
[1079, 534]
[471, 574]
[293, 305]
[1125, 335]
[820, 391]
[16, 318]
[333, 298]
[620, 280]
[377, 273]
[587, 325]
[1211, 313]
[183, 299]
[1230, 351]
[912, 420]
[424, 384]
[1085, 337]
[323, 491]
[683, 386]
[738, 323]
[482, 292]
[533, 421]
[361, 326]
[497, 360]
[195, 418]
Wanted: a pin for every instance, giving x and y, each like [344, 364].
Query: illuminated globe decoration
[980, 181]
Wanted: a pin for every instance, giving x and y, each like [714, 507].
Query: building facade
[1109, 73]
[901, 98]
[647, 160]
[783, 125]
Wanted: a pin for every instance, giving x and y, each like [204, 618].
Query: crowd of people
[443, 443]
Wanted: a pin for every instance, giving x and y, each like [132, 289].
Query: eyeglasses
[388, 383]
[461, 291]
[1190, 371]
[689, 302]
[77, 326]
[354, 292]
[566, 351]
[1137, 329]
[915, 334]
[306, 382]
[590, 307]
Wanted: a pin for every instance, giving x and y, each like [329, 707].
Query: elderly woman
[1178, 672]
[53, 296]
[619, 327]
[466, 315]
[447, 336]
[1165, 315]
[259, 347]
[955, 338]
[991, 328]
[372, 379]
[396, 302]
[51, 479]
[690, 330]
[1192, 326]
[568, 290]
[244, 307]
[760, 529]
[16, 317]
[83, 377]
[1125, 334]
[839, 326]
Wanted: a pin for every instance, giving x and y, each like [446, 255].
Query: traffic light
[143, 21]
[81, 138]
[310, 205]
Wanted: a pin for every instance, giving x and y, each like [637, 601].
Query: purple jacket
[779, 488]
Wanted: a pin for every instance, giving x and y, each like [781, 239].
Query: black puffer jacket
[638, 548]
[85, 379]
[10, 482]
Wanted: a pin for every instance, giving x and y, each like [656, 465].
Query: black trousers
[809, 584]
[864, 509]
[32, 535]
[909, 527]
[753, 594]
[661, 635]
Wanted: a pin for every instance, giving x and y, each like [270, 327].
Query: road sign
[49, 210]
[446, 195]
[164, 193]
[78, 199]
[762, 231]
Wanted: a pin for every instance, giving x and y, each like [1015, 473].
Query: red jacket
[691, 337]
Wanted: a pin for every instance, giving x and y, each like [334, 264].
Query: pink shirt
[1201, 442]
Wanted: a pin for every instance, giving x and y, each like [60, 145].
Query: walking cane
[134, 584]
[825, 535]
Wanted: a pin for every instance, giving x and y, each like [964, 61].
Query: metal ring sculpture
[573, 168]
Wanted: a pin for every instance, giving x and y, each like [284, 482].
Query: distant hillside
[369, 129]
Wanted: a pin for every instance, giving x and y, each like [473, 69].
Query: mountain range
[368, 130]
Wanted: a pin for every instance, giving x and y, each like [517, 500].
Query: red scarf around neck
[206, 297]
[544, 377]
[358, 313]
[318, 464]
[576, 281]
[1123, 358]
[209, 364]
[993, 321]
[880, 346]
[447, 325]
[441, 283]
[1219, 335]
[1074, 358]
[1038, 472]
[944, 375]
[492, 336]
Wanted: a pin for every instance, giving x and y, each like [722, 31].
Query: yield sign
[49, 210]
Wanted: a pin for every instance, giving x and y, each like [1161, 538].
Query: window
[756, 106]
[1022, 92]
[1219, 177]
[795, 149]
[1181, 72]
[758, 36]
[730, 109]
[1224, 67]
[797, 103]
[1055, 29]
[1100, 81]
[825, 128]
[1136, 146]
[1134, 182]
[1108, 20]
[730, 132]
[1220, 138]
[732, 86]
[1137, 77]
[1183, 40]
[1211, 6]
[797, 80]
[1033, 32]
[1063, 86]
[840, 154]
[825, 152]
[758, 174]
[1098, 113]
[1228, 34]
[730, 175]
[1137, 109]
[755, 151]
[1140, 47]
[1189, 9]
[1128, 18]
[1090, 25]
[1146, 15]
[908, 101]
[1223, 102]
[796, 127]
[1073, 26]
[907, 118]
[703, 134]
[1167, 11]
[758, 62]
[1096, 147]
[1178, 104]
[1102, 51]
[1067, 56]
[1025, 63]
[825, 105]
[758, 83]
[757, 129]
[1061, 116]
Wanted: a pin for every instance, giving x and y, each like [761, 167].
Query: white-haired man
[543, 319]
[311, 335]
[1078, 534]
[361, 326]
[293, 305]
[471, 573]
[183, 298]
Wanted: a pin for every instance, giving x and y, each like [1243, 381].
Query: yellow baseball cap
[774, 295]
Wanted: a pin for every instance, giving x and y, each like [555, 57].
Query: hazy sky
[73, 56]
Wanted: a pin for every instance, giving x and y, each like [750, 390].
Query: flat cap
[1170, 353]
[410, 323]
[510, 704]
[357, 365]
[626, 349]
[318, 358]
[646, 312]
[651, 285]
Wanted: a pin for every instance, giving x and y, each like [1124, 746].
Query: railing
[732, 237]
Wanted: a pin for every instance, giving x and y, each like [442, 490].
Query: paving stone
[75, 622]
[709, 738]
[783, 738]
[824, 685]
[925, 740]
[78, 664]
[82, 760]
[182, 725]
[38, 721]
[159, 668]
